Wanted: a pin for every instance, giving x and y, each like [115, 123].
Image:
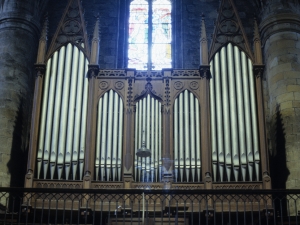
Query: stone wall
[19, 31]
[281, 35]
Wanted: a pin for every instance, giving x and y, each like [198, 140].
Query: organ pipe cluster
[109, 137]
[235, 144]
[61, 146]
[148, 128]
[187, 158]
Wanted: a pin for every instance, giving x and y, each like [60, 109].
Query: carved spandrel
[71, 29]
[229, 29]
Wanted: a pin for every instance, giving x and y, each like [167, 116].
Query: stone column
[19, 35]
[280, 29]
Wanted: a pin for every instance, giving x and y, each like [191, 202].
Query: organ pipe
[78, 111]
[120, 141]
[57, 109]
[103, 138]
[43, 119]
[197, 150]
[115, 134]
[98, 142]
[64, 111]
[254, 120]
[241, 112]
[219, 110]
[213, 123]
[234, 155]
[192, 130]
[83, 121]
[249, 145]
[176, 138]
[71, 114]
[50, 103]
[226, 106]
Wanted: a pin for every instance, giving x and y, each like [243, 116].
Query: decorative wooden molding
[43, 44]
[95, 44]
[203, 44]
[71, 29]
[258, 59]
[148, 90]
[228, 29]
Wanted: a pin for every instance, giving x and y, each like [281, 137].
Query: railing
[147, 207]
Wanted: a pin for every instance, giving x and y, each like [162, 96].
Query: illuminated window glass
[149, 17]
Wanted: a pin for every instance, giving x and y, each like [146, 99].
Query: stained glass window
[149, 32]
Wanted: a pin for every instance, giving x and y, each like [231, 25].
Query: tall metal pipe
[233, 112]
[246, 89]
[98, 139]
[115, 135]
[83, 119]
[254, 120]
[214, 149]
[120, 138]
[71, 113]
[240, 162]
[43, 118]
[64, 111]
[176, 138]
[103, 138]
[198, 148]
[219, 109]
[78, 111]
[57, 108]
[226, 107]
[50, 114]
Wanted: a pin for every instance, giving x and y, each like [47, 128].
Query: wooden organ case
[202, 129]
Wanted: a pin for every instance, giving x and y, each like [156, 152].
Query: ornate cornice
[148, 90]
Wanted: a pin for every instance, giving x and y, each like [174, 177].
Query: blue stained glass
[138, 38]
[161, 35]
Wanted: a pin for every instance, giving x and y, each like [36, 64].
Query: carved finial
[257, 45]
[203, 44]
[45, 29]
[95, 43]
[43, 43]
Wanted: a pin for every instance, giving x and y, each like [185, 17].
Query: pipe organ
[109, 137]
[201, 127]
[148, 130]
[61, 146]
[235, 151]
